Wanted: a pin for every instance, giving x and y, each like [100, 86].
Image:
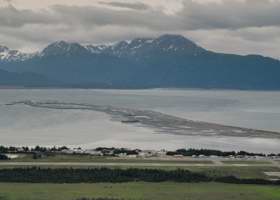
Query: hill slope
[12, 79]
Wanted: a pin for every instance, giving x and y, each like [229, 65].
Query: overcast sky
[233, 26]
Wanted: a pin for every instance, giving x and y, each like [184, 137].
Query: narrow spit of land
[160, 122]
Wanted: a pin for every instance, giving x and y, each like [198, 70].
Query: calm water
[22, 125]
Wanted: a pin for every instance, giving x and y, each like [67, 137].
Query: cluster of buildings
[41, 152]
[117, 152]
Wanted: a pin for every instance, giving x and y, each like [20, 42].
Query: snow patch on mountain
[126, 48]
[7, 55]
[140, 46]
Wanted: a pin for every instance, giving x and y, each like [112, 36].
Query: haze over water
[23, 125]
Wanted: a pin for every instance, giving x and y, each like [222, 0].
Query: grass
[240, 172]
[138, 191]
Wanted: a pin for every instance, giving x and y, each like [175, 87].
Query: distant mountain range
[169, 61]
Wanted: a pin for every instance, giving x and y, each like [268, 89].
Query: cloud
[231, 14]
[252, 25]
[228, 14]
[7, 1]
[135, 5]
[12, 17]
[95, 16]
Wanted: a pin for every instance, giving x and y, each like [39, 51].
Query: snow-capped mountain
[64, 48]
[135, 47]
[146, 46]
[166, 61]
[96, 49]
[7, 55]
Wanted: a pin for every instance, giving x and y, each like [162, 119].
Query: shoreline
[161, 123]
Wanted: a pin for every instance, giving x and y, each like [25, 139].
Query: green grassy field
[240, 172]
[146, 191]
[139, 191]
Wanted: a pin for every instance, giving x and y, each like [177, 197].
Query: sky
[230, 26]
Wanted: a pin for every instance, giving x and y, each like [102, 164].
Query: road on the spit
[130, 164]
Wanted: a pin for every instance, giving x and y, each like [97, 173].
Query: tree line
[211, 152]
[96, 175]
[11, 149]
[4, 157]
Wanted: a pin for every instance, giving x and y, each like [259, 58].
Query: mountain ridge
[165, 61]
[64, 46]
